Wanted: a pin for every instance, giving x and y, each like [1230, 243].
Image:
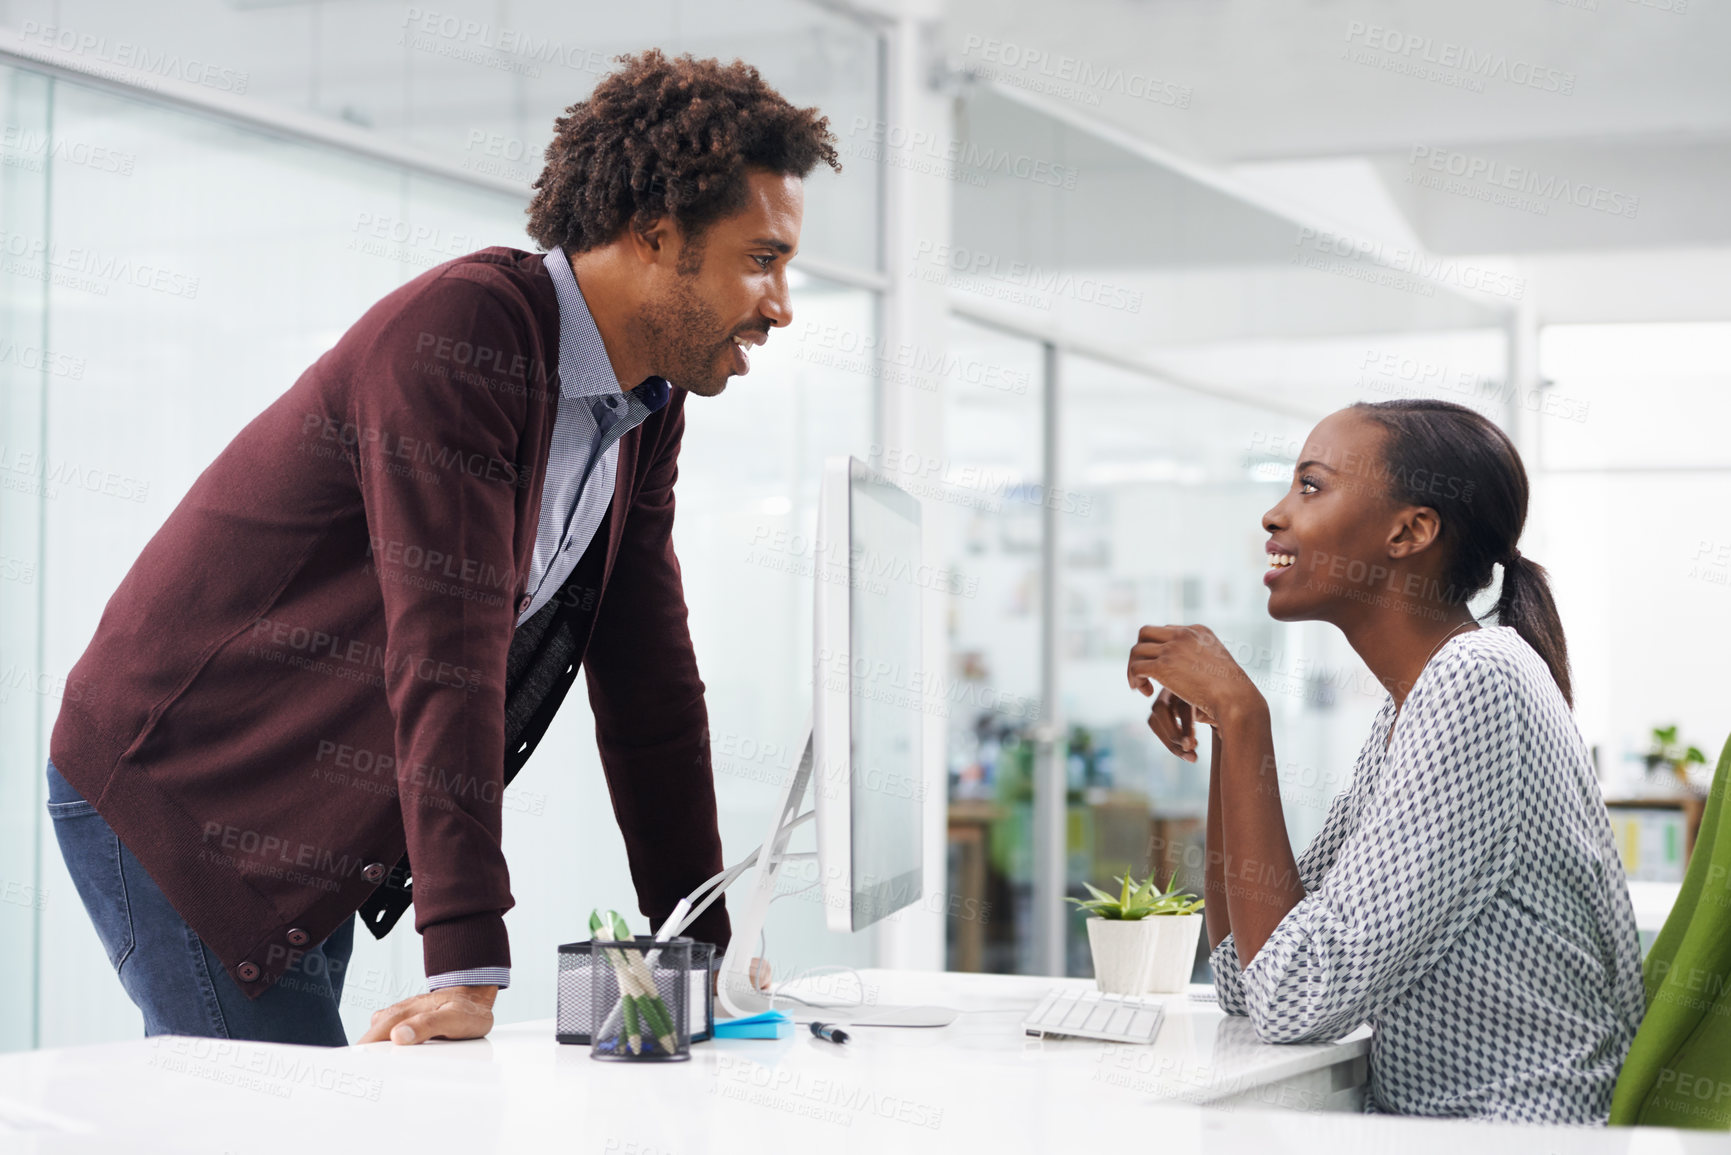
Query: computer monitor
[866, 711]
[862, 753]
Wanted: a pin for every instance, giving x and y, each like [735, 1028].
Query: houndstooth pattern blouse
[1465, 899]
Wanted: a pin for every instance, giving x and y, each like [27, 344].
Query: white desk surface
[978, 1085]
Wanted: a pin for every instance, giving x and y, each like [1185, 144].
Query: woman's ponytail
[1526, 604]
[1457, 462]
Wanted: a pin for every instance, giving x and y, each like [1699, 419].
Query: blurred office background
[1091, 272]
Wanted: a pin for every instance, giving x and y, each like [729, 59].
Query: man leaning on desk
[317, 678]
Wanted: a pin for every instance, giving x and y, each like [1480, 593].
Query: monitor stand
[739, 996]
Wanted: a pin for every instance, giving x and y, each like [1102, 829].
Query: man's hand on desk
[449, 1013]
[465, 1012]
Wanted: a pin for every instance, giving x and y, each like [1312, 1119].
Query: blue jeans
[166, 969]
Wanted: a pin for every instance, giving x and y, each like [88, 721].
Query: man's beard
[687, 340]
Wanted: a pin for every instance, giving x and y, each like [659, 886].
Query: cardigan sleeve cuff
[464, 944]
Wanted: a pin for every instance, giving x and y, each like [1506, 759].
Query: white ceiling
[1268, 78]
[1304, 102]
[1277, 95]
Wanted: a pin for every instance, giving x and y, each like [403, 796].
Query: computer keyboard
[1088, 1014]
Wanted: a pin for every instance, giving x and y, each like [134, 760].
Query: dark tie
[654, 392]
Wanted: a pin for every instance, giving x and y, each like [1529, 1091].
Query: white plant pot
[1124, 953]
[1152, 955]
[1174, 951]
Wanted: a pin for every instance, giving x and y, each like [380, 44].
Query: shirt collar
[584, 367]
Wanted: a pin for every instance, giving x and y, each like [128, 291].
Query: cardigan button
[297, 937]
[523, 605]
[247, 971]
[373, 871]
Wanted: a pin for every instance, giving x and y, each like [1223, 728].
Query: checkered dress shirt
[1465, 899]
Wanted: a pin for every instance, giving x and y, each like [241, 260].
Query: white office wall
[1629, 515]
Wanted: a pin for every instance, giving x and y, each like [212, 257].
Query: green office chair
[1678, 1073]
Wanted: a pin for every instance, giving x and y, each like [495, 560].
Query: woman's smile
[1281, 558]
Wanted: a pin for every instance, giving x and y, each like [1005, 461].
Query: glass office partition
[750, 470]
[1176, 483]
[1159, 505]
[31, 362]
[1201, 341]
[174, 275]
[476, 83]
[987, 490]
[189, 286]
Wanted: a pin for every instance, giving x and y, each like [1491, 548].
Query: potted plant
[1144, 940]
[1679, 756]
[1692, 769]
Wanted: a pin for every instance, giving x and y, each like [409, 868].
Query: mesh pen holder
[639, 999]
[575, 1017]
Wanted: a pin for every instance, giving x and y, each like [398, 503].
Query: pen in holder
[574, 1021]
[639, 1000]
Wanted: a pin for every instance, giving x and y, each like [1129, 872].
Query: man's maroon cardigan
[303, 674]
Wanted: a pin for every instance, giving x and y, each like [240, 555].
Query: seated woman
[1464, 897]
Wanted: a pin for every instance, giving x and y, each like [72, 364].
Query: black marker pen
[829, 1031]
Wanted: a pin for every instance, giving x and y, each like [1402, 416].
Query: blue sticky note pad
[768, 1025]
